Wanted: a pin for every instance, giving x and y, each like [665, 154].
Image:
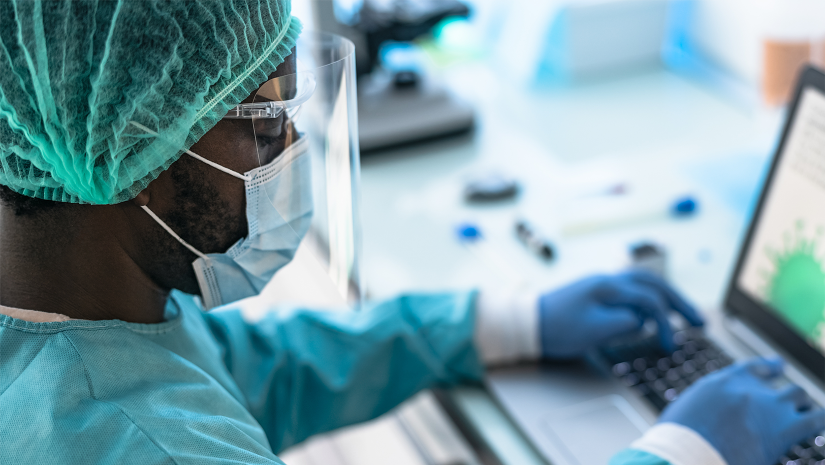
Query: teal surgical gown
[205, 388]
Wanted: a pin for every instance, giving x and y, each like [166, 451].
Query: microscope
[396, 104]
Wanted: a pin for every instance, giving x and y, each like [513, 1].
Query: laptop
[583, 412]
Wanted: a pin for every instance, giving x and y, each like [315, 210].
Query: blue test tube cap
[468, 232]
[684, 206]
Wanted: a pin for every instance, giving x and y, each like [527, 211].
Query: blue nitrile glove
[741, 415]
[590, 312]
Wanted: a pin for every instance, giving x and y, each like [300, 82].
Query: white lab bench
[658, 133]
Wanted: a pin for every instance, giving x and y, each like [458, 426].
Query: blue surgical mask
[279, 210]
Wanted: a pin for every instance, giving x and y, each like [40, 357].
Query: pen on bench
[535, 243]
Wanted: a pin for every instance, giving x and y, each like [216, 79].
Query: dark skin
[103, 262]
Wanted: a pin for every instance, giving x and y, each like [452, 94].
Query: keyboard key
[702, 342]
[688, 367]
[655, 396]
[680, 385]
[621, 369]
[660, 385]
[801, 452]
[632, 379]
[642, 389]
[690, 348]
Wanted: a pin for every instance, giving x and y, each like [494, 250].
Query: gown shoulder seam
[83, 363]
[142, 431]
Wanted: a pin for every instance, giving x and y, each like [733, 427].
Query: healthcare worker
[159, 159]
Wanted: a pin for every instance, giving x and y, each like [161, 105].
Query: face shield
[301, 194]
[305, 127]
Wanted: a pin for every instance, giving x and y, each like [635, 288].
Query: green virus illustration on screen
[796, 285]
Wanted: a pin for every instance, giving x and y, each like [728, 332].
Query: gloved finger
[764, 368]
[795, 394]
[648, 303]
[615, 322]
[808, 424]
[676, 301]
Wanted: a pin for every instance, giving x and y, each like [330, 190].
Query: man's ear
[157, 190]
[142, 199]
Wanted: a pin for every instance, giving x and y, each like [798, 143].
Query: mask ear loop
[196, 156]
[218, 167]
[169, 230]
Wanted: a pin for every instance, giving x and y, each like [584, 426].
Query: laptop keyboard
[810, 452]
[660, 378]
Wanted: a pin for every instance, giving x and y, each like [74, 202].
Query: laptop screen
[784, 266]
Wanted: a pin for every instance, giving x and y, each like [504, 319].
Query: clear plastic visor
[305, 130]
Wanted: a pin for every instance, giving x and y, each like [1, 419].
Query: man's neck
[75, 269]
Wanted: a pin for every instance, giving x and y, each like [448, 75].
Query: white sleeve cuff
[507, 326]
[679, 445]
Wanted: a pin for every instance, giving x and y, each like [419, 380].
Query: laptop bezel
[739, 303]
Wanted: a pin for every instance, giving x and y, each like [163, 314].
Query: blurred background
[532, 142]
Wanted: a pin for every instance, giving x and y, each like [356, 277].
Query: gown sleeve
[304, 372]
[637, 457]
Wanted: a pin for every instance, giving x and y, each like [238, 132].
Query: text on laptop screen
[784, 267]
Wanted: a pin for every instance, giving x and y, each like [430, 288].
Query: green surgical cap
[74, 75]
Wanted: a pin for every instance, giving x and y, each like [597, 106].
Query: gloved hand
[743, 417]
[590, 312]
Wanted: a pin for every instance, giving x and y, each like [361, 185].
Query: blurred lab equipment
[418, 432]
[649, 256]
[615, 189]
[534, 242]
[592, 38]
[468, 233]
[491, 187]
[794, 37]
[759, 45]
[399, 102]
[680, 208]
